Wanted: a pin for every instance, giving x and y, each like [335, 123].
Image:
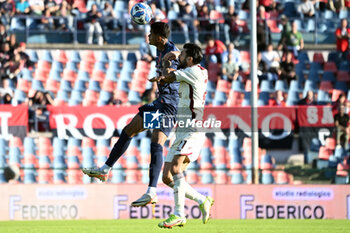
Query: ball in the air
[141, 13]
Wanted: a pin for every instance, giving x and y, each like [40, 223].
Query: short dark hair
[160, 29]
[194, 51]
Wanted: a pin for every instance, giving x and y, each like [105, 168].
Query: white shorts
[186, 144]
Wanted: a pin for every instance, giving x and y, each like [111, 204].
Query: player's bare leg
[132, 129]
[150, 197]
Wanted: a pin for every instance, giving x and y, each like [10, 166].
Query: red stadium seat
[16, 142]
[192, 177]
[102, 151]
[245, 56]
[342, 169]
[324, 153]
[87, 142]
[23, 85]
[41, 75]
[331, 143]
[86, 66]
[132, 176]
[235, 99]
[214, 71]
[108, 85]
[318, 57]
[330, 67]
[44, 176]
[98, 75]
[223, 86]
[44, 65]
[59, 102]
[143, 66]
[69, 75]
[89, 56]
[74, 176]
[122, 96]
[336, 94]
[272, 24]
[326, 86]
[343, 76]
[221, 177]
[60, 56]
[52, 85]
[281, 177]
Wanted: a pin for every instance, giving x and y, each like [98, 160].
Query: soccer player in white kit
[189, 139]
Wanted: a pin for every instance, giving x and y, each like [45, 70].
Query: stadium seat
[219, 99]
[266, 86]
[221, 177]
[116, 56]
[206, 177]
[134, 98]
[341, 86]
[74, 56]
[72, 66]
[295, 86]
[60, 55]
[23, 85]
[318, 57]
[281, 85]
[44, 176]
[69, 75]
[192, 177]
[102, 56]
[326, 86]
[330, 143]
[52, 85]
[236, 177]
[87, 142]
[131, 56]
[83, 75]
[66, 85]
[238, 86]
[118, 176]
[267, 177]
[74, 176]
[343, 76]
[59, 177]
[282, 177]
[323, 97]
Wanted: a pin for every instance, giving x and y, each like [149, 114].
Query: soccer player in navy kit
[166, 104]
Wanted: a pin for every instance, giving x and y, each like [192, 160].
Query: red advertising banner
[108, 201]
[14, 121]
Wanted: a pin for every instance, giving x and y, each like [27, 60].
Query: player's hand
[170, 56]
[156, 79]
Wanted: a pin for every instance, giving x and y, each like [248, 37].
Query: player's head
[159, 33]
[190, 55]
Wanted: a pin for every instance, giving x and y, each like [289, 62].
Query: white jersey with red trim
[192, 90]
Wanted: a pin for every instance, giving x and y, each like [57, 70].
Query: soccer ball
[141, 13]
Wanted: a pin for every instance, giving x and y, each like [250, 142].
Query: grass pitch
[192, 226]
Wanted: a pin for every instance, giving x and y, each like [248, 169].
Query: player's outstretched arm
[172, 55]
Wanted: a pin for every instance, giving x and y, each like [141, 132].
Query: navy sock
[156, 164]
[118, 149]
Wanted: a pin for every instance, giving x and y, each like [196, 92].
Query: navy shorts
[168, 111]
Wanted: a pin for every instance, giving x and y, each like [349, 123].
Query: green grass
[192, 226]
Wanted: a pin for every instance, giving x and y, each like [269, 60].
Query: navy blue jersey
[168, 92]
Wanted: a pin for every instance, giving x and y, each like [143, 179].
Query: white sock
[105, 168]
[191, 193]
[152, 191]
[179, 195]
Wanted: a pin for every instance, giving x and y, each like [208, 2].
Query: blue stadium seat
[334, 57]
[88, 157]
[63, 95]
[26, 74]
[74, 56]
[59, 162]
[220, 98]
[66, 85]
[2, 176]
[295, 86]
[114, 66]
[341, 86]
[323, 97]
[205, 155]
[99, 65]
[105, 96]
[126, 75]
[102, 56]
[344, 14]
[339, 153]
[246, 100]
[37, 85]
[145, 145]
[33, 55]
[73, 142]
[59, 176]
[118, 176]
[77, 96]
[117, 56]
[128, 66]
[293, 98]
[73, 161]
[237, 86]
[267, 178]
[131, 56]
[123, 86]
[263, 98]
[112, 75]
[310, 86]
[328, 76]
[219, 142]
[55, 75]
[29, 176]
[206, 177]
[14, 155]
[20, 96]
[94, 85]
[102, 142]
[80, 85]
[266, 86]
[237, 177]
[29, 145]
[134, 97]
[83, 75]
[344, 65]
[46, 56]
[72, 66]
[303, 57]
[281, 85]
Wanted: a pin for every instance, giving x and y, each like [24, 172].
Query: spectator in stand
[263, 31]
[149, 96]
[286, 29]
[214, 47]
[13, 43]
[47, 22]
[93, 25]
[65, 22]
[147, 52]
[309, 99]
[38, 113]
[109, 19]
[262, 68]
[341, 122]
[341, 101]
[306, 9]
[343, 35]
[6, 97]
[3, 34]
[230, 69]
[20, 49]
[231, 27]
[203, 16]
[271, 58]
[158, 14]
[294, 40]
[22, 8]
[288, 69]
[7, 11]
[37, 8]
[336, 5]
[236, 56]
[189, 23]
[281, 98]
